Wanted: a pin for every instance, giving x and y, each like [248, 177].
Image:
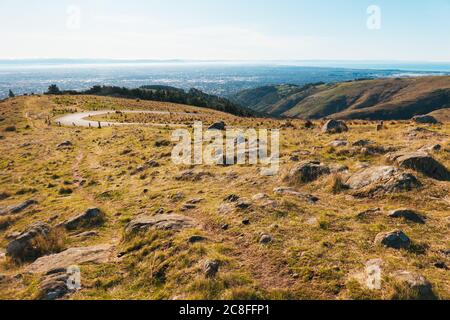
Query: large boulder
[159, 222]
[307, 171]
[91, 218]
[396, 239]
[73, 256]
[415, 286]
[22, 247]
[334, 126]
[382, 179]
[425, 119]
[421, 162]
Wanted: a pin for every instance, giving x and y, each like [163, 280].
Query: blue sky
[414, 30]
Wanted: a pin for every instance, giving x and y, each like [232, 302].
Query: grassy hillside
[380, 99]
[317, 250]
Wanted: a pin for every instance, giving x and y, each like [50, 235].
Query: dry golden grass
[316, 247]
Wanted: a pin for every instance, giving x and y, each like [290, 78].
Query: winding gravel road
[79, 119]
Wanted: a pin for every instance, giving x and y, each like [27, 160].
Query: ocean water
[214, 77]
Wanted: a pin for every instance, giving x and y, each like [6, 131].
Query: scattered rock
[64, 145]
[419, 287]
[421, 162]
[191, 175]
[225, 208]
[363, 143]
[395, 239]
[431, 148]
[218, 126]
[54, 285]
[407, 214]
[334, 126]
[243, 204]
[309, 125]
[87, 234]
[91, 218]
[188, 206]
[338, 143]
[369, 213]
[73, 256]
[425, 119]
[265, 239]
[260, 196]
[15, 209]
[307, 171]
[211, 268]
[22, 247]
[159, 222]
[374, 180]
[162, 143]
[197, 238]
[231, 198]
[294, 193]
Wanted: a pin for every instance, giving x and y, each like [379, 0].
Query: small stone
[265, 239]
[196, 238]
[211, 268]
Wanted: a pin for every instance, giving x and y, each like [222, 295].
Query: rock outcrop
[421, 162]
[15, 209]
[383, 179]
[22, 247]
[306, 172]
[159, 222]
[73, 256]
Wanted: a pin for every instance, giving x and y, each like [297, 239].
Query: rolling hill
[395, 98]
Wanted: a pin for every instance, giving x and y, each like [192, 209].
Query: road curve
[79, 119]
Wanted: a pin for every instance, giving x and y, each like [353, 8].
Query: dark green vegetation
[380, 99]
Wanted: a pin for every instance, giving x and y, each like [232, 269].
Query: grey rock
[265, 239]
[159, 222]
[74, 256]
[307, 171]
[421, 288]
[64, 145]
[211, 268]
[338, 143]
[91, 218]
[395, 239]
[422, 162]
[21, 248]
[408, 214]
[217, 126]
[382, 179]
[334, 126]
[15, 209]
